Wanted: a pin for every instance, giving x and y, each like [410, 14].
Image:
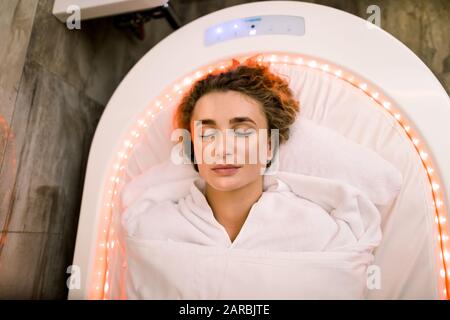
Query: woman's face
[229, 129]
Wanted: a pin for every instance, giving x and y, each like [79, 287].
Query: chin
[225, 183]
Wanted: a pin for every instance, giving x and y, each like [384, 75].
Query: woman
[270, 232]
[247, 101]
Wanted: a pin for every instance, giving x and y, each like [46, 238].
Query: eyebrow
[232, 121]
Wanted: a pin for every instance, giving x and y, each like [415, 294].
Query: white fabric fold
[305, 238]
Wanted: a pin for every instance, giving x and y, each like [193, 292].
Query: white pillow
[319, 151]
[311, 150]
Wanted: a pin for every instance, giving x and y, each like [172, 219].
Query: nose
[224, 147]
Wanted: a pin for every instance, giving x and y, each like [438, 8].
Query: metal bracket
[135, 21]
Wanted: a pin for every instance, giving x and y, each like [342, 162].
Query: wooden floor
[54, 84]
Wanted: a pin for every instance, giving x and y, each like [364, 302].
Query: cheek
[204, 153]
[256, 148]
[199, 147]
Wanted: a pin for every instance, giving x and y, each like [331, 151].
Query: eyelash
[245, 134]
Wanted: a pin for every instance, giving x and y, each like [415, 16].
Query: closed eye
[239, 132]
[244, 132]
[208, 133]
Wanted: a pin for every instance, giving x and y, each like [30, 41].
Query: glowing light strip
[100, 283]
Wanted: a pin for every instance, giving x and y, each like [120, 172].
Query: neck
[231, 208]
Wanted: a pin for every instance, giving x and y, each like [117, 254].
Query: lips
[225, 166]
[226, 170]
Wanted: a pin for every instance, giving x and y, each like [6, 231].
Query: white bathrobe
[305, 238]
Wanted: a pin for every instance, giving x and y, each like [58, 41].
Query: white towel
[305, 238]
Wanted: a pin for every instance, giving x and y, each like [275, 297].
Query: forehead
[223, 106]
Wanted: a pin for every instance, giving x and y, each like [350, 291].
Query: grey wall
[54, 85]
